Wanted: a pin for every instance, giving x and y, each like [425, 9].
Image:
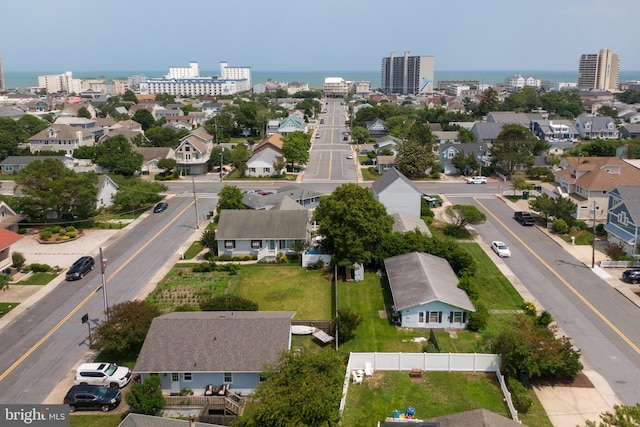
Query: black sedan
[80, 268]
[160, 207]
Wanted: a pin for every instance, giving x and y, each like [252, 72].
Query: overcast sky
[321, 35]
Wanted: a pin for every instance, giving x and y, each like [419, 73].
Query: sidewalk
[573, 406]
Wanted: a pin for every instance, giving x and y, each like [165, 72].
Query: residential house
[7, 238]
[166, 113]
[264, 162]
[447, 136]
[555, 130]
[13, 164]
[140, 420]
[628, 131]
[446, 153]
[193, 153]
[9, 219]
[486, 133]
[10, 112]
[588, 181]
[623, 218]
[272, 127]
[404, 223]
[596, 127]
[305, 197]
[273, 142]
[388, 144]
[71, 109]
[198, 117]
[191, 350]
[473, 418]
[181, 122]
[151, 157]
[292, 124]
[376, 127]
[425, 292]
[211, 109]
[81, 122]
[511, 117]
[385, 163]
[263, 233]
[631, 116]
[107, 189]
[60, 138]
[397, 193]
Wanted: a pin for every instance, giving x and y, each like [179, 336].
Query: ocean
[315, 79]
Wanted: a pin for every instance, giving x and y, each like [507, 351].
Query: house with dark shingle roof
[596, 127]
[623, 218]
[61, 138]
[397, 193]
[473, 418]
[195, 349]
[425, 292]
[140, 420]
[12, 164]
[263, 233]
[193, 153]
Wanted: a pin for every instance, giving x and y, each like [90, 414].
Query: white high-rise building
[234, 73]
[193, 70]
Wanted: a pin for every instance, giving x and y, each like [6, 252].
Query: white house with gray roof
[596, 127]
[425, 292]
[397, 193]
[263, 233]
[194, 349]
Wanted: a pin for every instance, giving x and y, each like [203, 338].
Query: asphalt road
[41, 346]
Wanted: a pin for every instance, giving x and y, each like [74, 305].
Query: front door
[175, 383]
[272, 245]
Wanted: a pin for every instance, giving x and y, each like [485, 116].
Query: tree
[413, 159]
[228, 303]
[167, 164]
[164, 137]
[352, 223]
[360, 135]
[221, 125]
[54, 192]
[85, 152]
[146, 397]
[463, 215]
[145, 118]
[543, 204]
[608, 111]
[302, 389]
[514, 146]
[17, 259]
[230, 197]
[84, 113]
[215, 156]
[115, 154]
[295, 148]
[129, 96]
[208, 239]
[347, 321]
[622, 416]
[123, 334]
[489, 102]
[460, 162]
[134, 194]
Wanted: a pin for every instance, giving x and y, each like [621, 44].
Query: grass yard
[583, 237]
[195, 248]
[435, 394]
[6, 307]
[38, 279]
[78, 420]
[286, 287]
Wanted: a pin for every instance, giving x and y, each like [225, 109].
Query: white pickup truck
[477, 180]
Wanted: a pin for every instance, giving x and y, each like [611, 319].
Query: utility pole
[195, 201]
[221, 160]
[593, 241]
[103, 265]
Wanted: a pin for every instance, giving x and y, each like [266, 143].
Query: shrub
[544, 319]
[478, 319]
[22, 230]
[519, 395]
[232, 269]
[70, 229]
[450, 230]
[70, 235]
[17, 259]
[580, 225]
[615, 252]
[560, 226]
[39, 268]
[45, 234]
[55, 229]
[529, 308]
[468, 285]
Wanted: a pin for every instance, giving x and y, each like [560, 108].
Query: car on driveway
[160, 207]
[631, 276]
[477, 180]
[524, 218]
[80, 268]
[92, 397]
[501, 249]
[106, 374]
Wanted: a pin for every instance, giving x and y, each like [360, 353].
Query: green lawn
[39, 279]
[195, 248]
[78, 420]
[6, 307]
[583, 237]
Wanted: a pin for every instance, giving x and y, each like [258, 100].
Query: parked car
[631, 276]
[368, 162]
[160, 207]
[80, 268]
[106, 374]
[321, 121]
[501, 249]
[349, 156]
[524, 218]
[90, 397]
[317, 135]
[477, 180]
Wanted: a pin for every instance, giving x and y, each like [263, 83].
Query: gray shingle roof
[140, 420]
[417, 278]
[404, 222]
[215, 341]
[631, 197]
[262, 224]
[389, 178]
[474, 418]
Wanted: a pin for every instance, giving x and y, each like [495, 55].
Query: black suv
[631, 276]
[92, 397]
[524, 218]
[79, 268]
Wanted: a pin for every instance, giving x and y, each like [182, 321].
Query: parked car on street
[501, 249]
[477, 180]
[94, 397]
[349, 156]
[106, 374]
[160, 207]
[631, 276]
[524, 218]
[80, 268]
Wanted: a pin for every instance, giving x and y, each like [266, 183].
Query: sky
[320, 35]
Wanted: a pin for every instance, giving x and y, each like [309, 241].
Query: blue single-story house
[425, 292]
[191, 350]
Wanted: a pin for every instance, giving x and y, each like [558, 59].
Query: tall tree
[136, 194]
[129, 96]
[53, 192]
[145, 118]
[296, 147]
[514, 146]
[352, 223]
[115, 154]
[84, 113]
[230, 197]
[360, 135]
[414, 159]
[463, 215]
[489, 102]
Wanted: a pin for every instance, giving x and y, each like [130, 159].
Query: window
[228, 377]
[267, 170]
[421, 317]
[434, 316]
[256, 244]
[230, 244]
[187, 376]
[252, 170]
[457, 316]
[622, 218]
[175, 377]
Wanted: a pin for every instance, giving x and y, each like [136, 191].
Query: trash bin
[525, 194]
